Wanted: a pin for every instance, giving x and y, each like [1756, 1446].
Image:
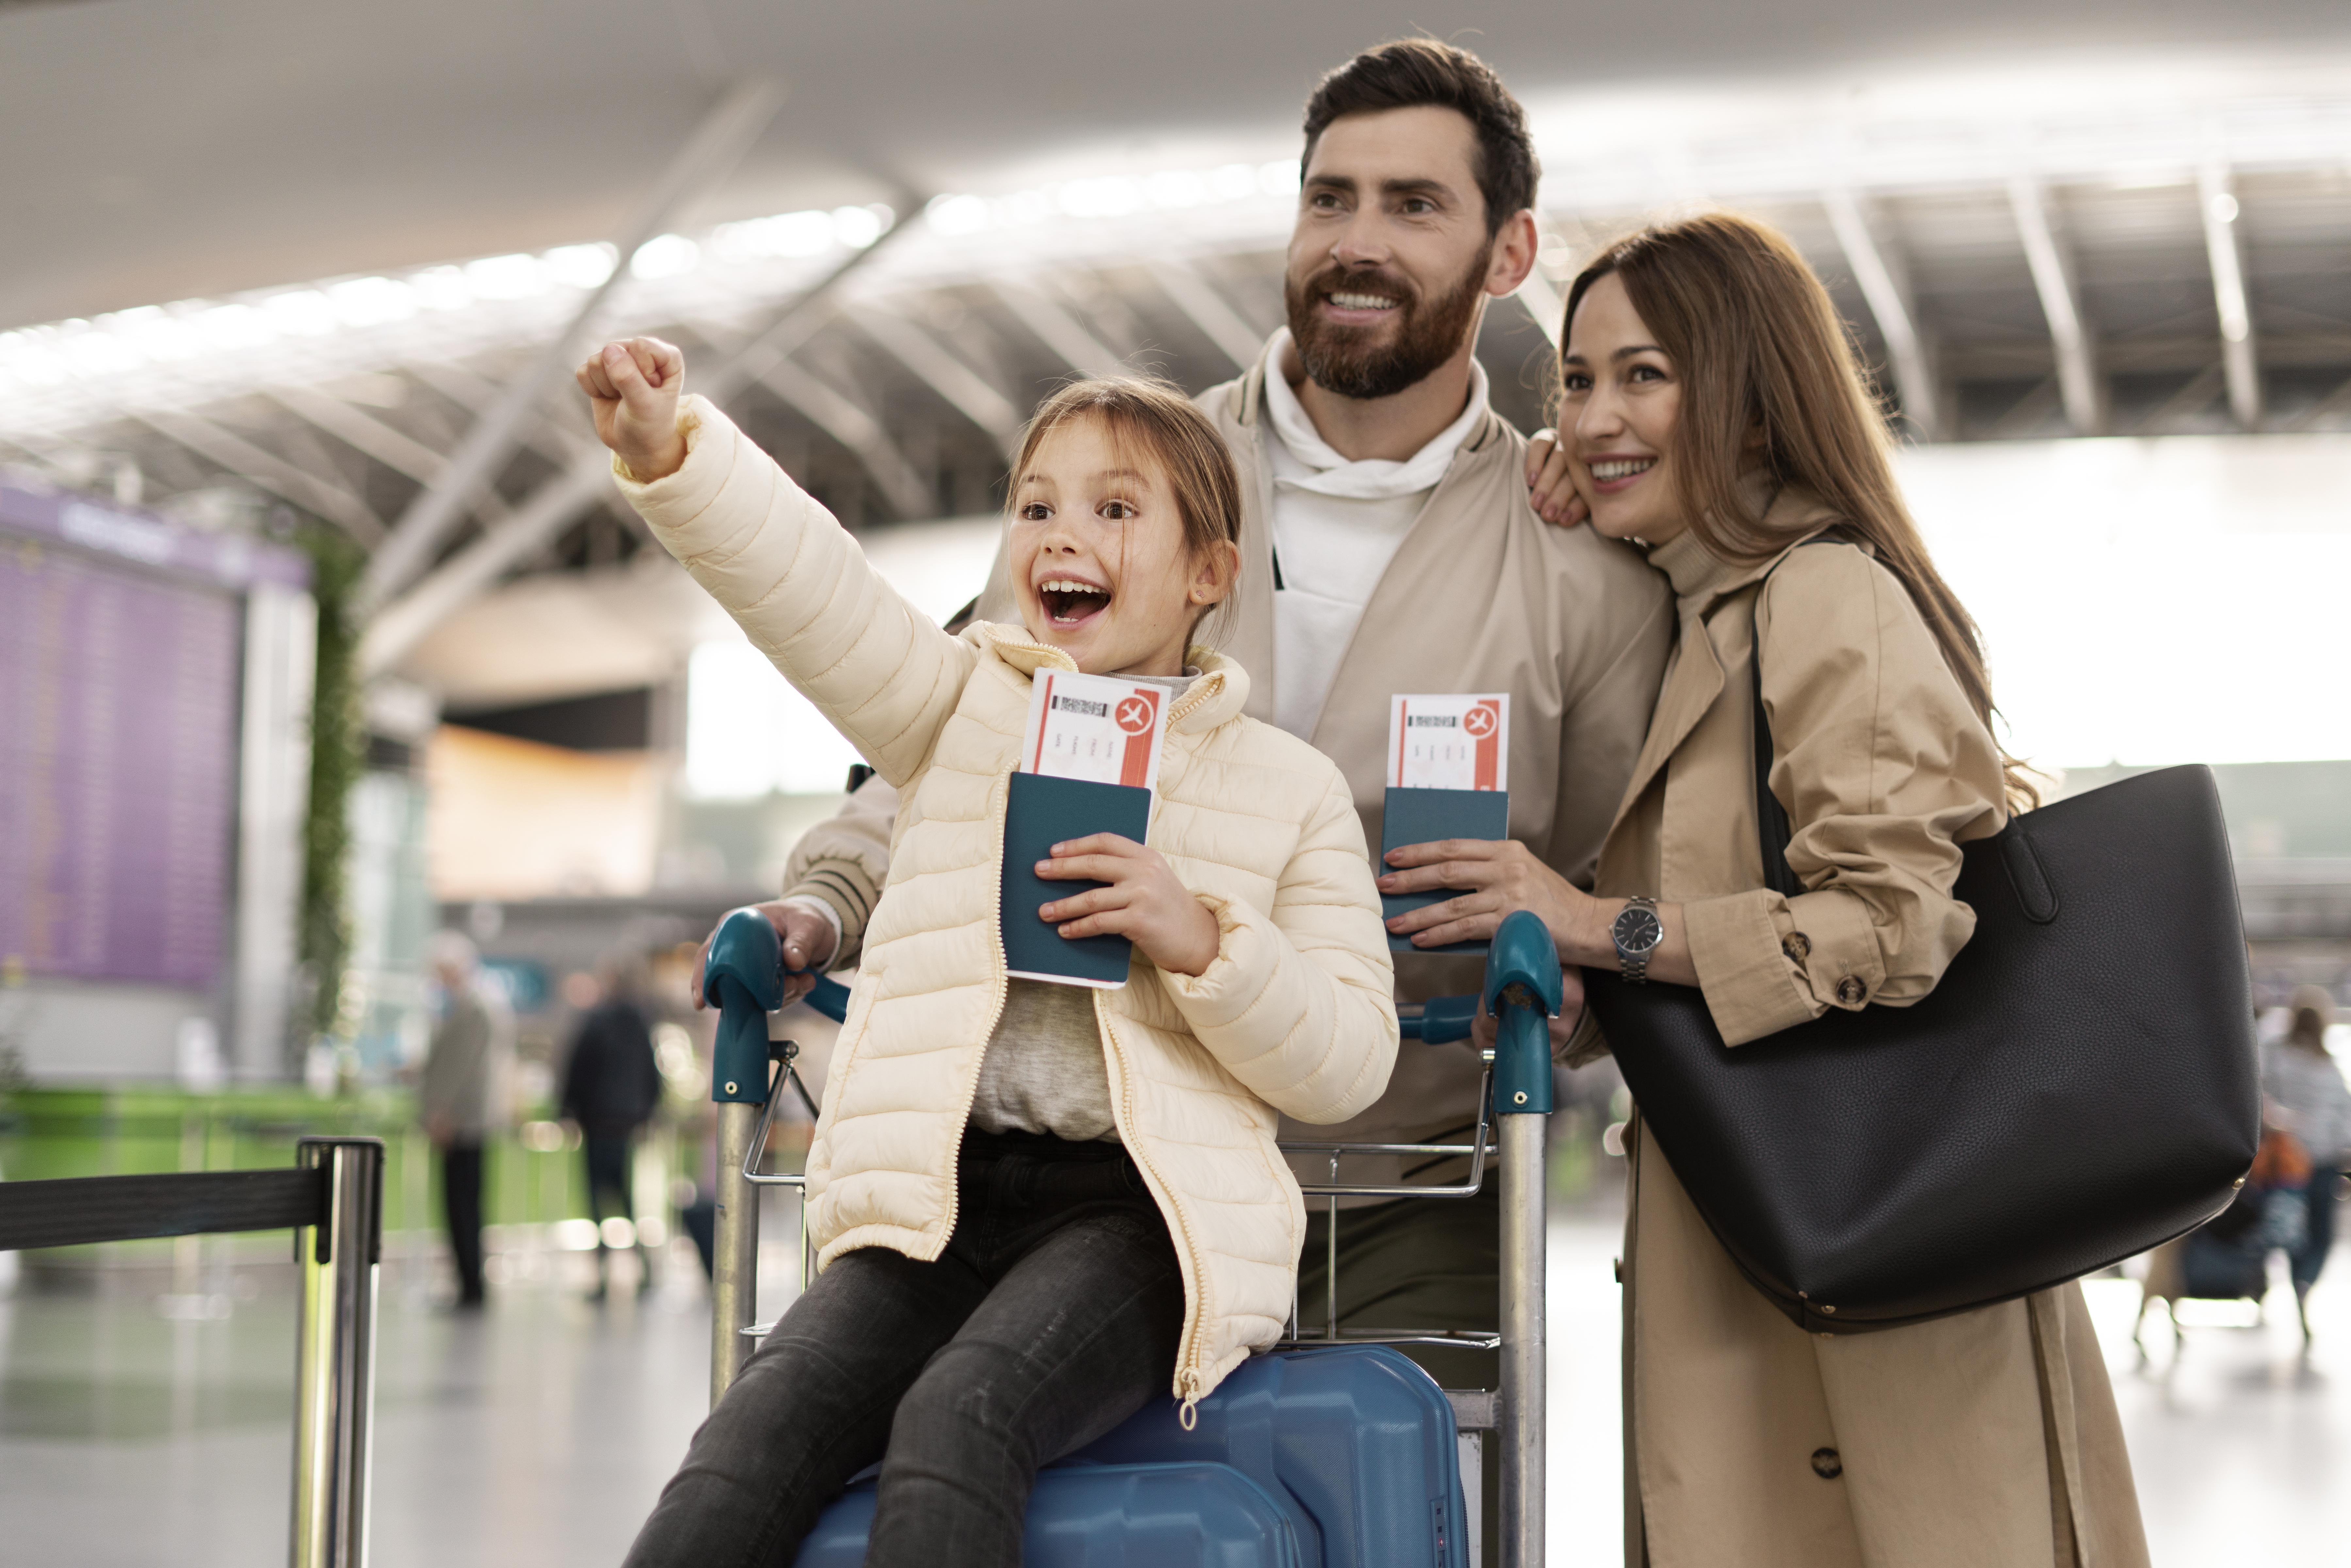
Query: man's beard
[1343, 359]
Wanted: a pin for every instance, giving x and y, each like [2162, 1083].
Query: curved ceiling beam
[724, 134]
[1886, 287]
[226, 449]
[2054, 278]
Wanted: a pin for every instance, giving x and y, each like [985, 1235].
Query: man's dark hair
[1413, 73]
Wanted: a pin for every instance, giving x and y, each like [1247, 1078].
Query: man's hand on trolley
[807, 946]
[1482, 1029]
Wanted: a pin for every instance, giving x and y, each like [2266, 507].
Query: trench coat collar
[1703, 580]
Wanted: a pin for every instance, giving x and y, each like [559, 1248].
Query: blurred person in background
[611, 1087]
[1390, 547]
[460, 1095]
[2306, 1099]
[1713, 407]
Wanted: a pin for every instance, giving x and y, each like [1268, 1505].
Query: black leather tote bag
[2079, 1086]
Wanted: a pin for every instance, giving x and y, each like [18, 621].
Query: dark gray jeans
[1052, 1317]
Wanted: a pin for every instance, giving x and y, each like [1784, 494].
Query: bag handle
[1771, 828]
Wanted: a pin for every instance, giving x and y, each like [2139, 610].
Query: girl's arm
[876, 667]
[1298, 1003]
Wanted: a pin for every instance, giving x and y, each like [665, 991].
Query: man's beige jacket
[1482, 596]
[1293, 1016]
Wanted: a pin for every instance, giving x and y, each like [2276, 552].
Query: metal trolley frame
[752, 1065]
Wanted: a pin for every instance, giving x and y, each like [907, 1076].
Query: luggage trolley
[1332, 1449]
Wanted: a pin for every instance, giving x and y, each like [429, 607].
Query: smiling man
[1388, 545]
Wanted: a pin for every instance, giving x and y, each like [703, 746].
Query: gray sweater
[1044, 1071]
[465, 1071]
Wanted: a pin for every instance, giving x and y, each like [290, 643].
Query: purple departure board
[119, 708]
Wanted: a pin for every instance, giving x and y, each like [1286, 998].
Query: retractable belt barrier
[332, 1200]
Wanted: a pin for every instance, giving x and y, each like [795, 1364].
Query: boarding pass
[1449, 741]
[1097, 728]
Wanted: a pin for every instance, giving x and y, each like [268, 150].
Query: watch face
[1637, 931]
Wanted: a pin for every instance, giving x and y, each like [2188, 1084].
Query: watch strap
[1635, 966]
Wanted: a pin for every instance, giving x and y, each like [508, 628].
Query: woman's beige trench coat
[1989, 1439]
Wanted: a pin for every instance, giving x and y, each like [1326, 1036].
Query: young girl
[1035, 1206]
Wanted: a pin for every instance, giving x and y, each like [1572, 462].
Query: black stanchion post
[335, 1355]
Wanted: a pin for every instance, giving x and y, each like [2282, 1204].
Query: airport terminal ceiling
[154, 154]
[2034, 232]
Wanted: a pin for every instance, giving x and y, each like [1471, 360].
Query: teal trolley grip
[745, 977]
[1523, 993]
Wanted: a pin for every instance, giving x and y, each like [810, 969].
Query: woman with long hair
[1713, 408]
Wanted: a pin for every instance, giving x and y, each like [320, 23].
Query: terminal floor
[538, 1433]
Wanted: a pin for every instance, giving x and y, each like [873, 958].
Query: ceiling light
[665, 256]
[580, 266]
[1176, 188]
[370, 302]
[858, 227]
[958, 215]
[505, 277]
[785, 234]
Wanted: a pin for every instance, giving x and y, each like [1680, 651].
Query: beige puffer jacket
[1294, 1016]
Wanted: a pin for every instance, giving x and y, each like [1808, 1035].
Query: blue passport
[1424, 816]
[1042, 811]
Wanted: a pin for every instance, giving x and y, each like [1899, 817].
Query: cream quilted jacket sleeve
[1297, 1004]
[796, 583]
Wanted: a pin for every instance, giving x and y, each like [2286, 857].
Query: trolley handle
[1440, 1022]
[827, 997]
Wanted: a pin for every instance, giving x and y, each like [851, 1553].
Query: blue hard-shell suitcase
[1112, 1516]
[1359, 1438]
[1344, 1457]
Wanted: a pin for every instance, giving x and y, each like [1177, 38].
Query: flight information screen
[119, 722]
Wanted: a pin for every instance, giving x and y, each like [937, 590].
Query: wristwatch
[1637, 933]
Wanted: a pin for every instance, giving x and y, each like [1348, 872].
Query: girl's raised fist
[633, 388]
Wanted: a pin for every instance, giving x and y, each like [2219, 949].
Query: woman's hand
[1503, 875]
[1491, 877]
[632, 389]
[1551, 484]
[1144, 903]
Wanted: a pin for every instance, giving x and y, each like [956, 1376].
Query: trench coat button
[1826, 1464]
[1798, 947]
[1851, 992]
